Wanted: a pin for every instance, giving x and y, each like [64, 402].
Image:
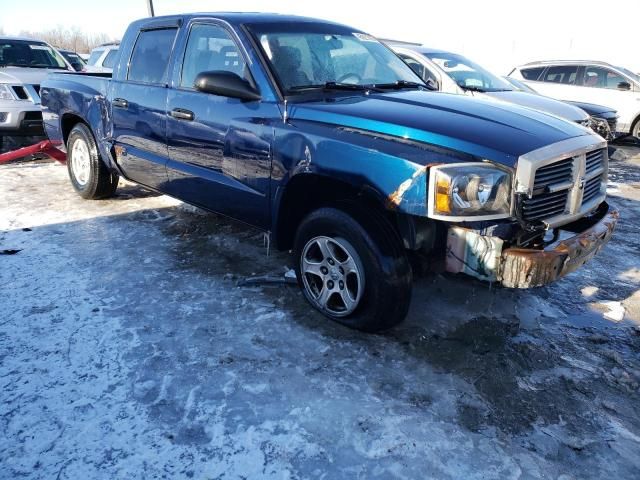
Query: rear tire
[89, 176]
[351, 266]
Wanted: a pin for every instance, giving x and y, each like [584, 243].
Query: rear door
[559, 81]
[139, 100]
[219, 147]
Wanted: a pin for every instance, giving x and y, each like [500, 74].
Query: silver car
[24, 63]
[452, 73]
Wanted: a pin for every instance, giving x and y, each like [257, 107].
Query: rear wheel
[89, 175]
[351, 266]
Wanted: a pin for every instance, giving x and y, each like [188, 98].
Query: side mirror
[624, 86]
[226, 84]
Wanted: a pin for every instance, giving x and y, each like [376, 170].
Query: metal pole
[150, 8]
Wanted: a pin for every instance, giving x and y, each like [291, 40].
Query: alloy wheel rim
[332, 275]
[81, 161]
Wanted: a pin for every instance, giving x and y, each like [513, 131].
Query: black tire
[386, 294]
[635, 128]
[96, 182]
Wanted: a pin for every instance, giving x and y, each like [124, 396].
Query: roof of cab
[239, 18]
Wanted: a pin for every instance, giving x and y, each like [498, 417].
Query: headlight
[5, 93]
[601, 127]
[469, 191]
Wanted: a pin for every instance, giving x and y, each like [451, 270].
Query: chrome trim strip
[577, 149]
[529, 163]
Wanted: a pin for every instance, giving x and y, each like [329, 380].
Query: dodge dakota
[321, 136]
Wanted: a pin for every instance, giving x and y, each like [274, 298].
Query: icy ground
[127, 351]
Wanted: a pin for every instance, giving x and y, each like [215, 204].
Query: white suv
[588, 81]
[102, 58]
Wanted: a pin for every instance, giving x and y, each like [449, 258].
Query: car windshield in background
[635, 77]
[24, 53]
[307, 57]
[467, 74]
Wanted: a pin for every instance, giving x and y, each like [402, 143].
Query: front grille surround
[562, 182]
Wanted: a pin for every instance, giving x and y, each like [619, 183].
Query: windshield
[468, 75]
[26, 53]
[326, 56]
[629, 73]
[520, 85]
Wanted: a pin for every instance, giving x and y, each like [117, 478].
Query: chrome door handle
[120, 103]
[182, 114]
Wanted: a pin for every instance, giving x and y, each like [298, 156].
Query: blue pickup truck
[320, 135]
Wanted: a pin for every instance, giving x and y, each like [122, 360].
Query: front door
[139, 109]
[219, 147]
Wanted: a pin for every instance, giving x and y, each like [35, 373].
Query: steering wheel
[346, 76]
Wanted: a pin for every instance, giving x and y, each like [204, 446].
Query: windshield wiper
[337, 86]
[398, 84]
[472, 89]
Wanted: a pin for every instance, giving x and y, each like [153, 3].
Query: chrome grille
[594, 161]
[563, 188]
[20, 92]
[546, 201]
[544, 205]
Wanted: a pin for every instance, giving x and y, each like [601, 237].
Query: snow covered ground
[128, 351]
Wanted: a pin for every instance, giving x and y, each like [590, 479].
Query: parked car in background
[74, 59]
[453, 73]
[320, 135]
[588, 81]
[604, 119]
[24, 63]
[102, 58]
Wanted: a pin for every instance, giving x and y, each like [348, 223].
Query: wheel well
[307, 192]
[69, 120]
[634, 123]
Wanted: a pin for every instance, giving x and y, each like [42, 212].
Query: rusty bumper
[526, 268]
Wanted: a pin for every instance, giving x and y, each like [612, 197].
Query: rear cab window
[150, 58]
[95, 56]
[110, 59]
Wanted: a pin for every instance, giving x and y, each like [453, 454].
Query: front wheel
[351, 267]
[635, 129]
[89, 175]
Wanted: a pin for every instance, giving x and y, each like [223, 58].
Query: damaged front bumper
[485, 257]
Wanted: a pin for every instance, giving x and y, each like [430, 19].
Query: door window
[420, 69]
[532, 73]
[566, 74]
[210, 48]
[150, 58]
[599, 77]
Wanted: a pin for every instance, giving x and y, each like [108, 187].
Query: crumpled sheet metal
[525, 268]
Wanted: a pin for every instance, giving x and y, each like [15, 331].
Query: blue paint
[237, 158]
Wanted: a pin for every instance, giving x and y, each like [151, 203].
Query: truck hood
[542, 103]
[25, 76]
[496, 131]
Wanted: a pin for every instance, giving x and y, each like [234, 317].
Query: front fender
[393, 169]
